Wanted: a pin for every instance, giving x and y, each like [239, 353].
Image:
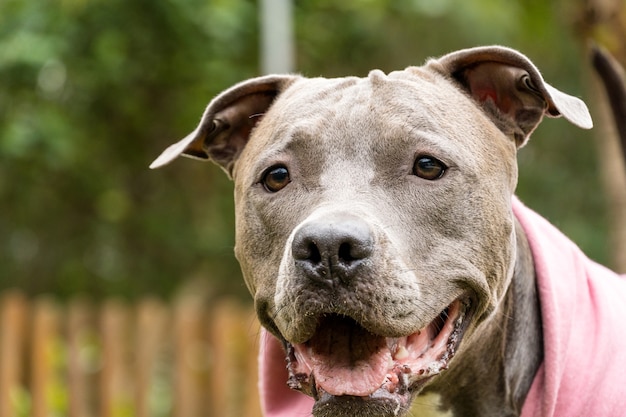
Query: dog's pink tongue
[348, 360]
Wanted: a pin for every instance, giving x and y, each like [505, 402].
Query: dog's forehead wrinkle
[350, 176]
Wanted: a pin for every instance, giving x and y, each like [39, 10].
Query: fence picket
[223, 323]
[13, 314]
[82, 361]
[150, 326]
[116, 386]
[44, 357]
[251, 390]
[189, 356]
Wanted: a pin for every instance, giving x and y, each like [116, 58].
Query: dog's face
[367, 230]
[374, 226]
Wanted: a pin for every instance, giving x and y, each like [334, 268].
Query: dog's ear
[227, 122]
[510, 89]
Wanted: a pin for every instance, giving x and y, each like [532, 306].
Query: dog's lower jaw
[350, 406]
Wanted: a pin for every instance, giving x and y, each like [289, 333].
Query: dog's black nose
[333, 248]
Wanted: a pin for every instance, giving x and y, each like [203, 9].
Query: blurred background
[91, 91]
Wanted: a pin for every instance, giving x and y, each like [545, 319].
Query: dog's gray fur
[349, 145]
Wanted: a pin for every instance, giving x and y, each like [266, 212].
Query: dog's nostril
[345, 254]
[353, 251]
[306, 249]
[314, 254]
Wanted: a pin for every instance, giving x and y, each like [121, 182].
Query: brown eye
[275, 178]
[428, 168]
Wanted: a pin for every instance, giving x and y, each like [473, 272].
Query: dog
[378, 232]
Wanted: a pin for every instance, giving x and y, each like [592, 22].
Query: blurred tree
[93, 90]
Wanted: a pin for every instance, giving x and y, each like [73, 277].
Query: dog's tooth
[401, 353]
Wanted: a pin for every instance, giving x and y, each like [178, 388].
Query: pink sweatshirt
[583, 308]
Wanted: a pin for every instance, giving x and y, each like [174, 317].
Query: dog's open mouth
[344, 359]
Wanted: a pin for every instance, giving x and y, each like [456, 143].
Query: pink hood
[583, 308]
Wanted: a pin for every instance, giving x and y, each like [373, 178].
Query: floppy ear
[227, 122]
[510, 89]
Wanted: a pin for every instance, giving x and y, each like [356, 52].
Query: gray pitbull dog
[374, 227]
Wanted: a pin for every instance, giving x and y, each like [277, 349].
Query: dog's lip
[397, 366]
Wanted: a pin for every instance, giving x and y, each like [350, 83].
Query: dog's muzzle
[343, 362]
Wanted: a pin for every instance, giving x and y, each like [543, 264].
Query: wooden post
[223, 325]
[80, 331]
[189, 354]
[150, 326]
[44, 340]
[251, 360]
[12, 332]
[116, 388]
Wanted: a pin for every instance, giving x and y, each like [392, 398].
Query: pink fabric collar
[583, 307]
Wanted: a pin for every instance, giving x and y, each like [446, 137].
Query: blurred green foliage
[92, 90]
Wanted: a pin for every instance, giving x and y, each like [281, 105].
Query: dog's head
[373, 215]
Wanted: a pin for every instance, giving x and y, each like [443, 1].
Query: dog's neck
[494, 377]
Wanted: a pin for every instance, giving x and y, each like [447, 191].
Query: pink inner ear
[486, 94]
[481, 91]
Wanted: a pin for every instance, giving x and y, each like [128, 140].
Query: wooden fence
[148, 359]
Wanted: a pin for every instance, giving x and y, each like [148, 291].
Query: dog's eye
[276, 178]
[428, 168]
